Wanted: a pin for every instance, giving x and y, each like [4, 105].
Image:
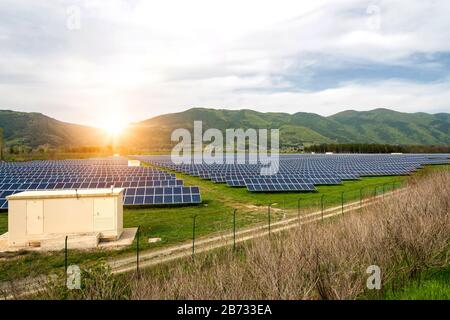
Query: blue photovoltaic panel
[162, 196]
[316, 169]
[93, 174]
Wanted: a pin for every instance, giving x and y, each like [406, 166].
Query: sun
[114, 126]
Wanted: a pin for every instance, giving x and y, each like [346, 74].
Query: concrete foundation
[84, 241]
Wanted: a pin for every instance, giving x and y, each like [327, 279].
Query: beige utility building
[44, 218]
[134, 163]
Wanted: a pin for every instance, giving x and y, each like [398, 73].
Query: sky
[94, 62]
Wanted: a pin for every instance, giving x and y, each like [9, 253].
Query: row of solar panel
[295, 163]
[161, 191]
[205, 175]
[143, 185]
[77, 180]
[282, 167]
[163, 199]
[242, 183]
[91, 185]
[299, 170]
[142, 196]
[219, 168]
[275, 180]
[87, 174]
[284, 175]
[280, 187]
[79, 169]
[297, 167]
[58, 167]
[133, 191]
[317, 170]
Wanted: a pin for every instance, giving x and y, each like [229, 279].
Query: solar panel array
[143, 185]
[300, 172]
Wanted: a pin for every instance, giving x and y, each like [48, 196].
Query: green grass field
[433, 285]
[174, 224]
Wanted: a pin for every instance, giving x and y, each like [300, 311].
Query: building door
[35, 217]
[103, 214]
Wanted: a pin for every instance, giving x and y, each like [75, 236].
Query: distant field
[174, 224]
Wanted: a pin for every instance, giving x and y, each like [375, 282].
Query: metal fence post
[321, 205]
[268, 216]
[65, 258]
[360, 198]
[298, 208]
[193, 237]
[137, 249]
[234, 229]
[342, 203]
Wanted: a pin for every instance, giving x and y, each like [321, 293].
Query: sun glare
[114, 127]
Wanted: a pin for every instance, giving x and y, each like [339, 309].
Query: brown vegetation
[403, 235]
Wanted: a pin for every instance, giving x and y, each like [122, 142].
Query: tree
[1, 144]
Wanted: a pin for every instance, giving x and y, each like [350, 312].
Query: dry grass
[403, 235]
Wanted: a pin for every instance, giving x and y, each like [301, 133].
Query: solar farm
[165, 200]
[143, 185]
[301, 172]
[156, 186]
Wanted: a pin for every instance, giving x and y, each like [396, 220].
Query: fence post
[321, 205]
[342, 202]
[360, 198]
[193, 237]
[137, 249]
[234, 229]
[298, 209]
[65, 258]
[268, 216]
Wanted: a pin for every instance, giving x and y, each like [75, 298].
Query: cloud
[142, 58]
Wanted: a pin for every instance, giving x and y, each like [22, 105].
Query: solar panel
[160, 196]
[313, 169]
[100, 173]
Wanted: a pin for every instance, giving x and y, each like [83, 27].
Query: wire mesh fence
[238, 225]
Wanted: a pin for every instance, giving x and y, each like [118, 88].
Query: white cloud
[143, 58]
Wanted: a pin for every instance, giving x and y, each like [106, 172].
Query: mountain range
[375, 126]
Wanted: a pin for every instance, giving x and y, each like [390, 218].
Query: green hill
[35, 129]
[376, 126]
[387, 126]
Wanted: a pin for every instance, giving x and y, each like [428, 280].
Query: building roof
[80, 193]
